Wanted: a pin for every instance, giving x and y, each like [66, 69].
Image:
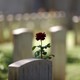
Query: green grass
[5, 59]
[73, 64]
[5, 47]
[73, 71]
[73, 58]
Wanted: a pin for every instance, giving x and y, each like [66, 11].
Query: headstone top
[23, 61]
[55, 28]
[20, 31]
[30, 69]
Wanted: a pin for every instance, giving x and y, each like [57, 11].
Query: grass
[73, 58]
[5, 59]
[73, 64]
[73, 71]
[6, 47]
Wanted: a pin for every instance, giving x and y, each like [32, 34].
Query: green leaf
[49, 57]
[52, 55]
[37, 53]
[45, 47]
[33, 47]
[48, 45]
[39, 46]
[44, 53]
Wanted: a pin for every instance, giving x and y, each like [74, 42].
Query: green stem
[41, 49]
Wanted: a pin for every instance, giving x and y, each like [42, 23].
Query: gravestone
[30, 69]
[58, 48]
[1, 32]
[22, 39]
[18, 20]
[2, 22]
[9, 24]
[77, 33]
[30, 22]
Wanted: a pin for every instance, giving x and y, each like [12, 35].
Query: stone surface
[22, 39]
[1, 32]
[58, 48]
[30, 69]
[77, 34]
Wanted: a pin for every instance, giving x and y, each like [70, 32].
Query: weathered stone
[30, 69]
[1, 32]
[22, 44]
[58, 48]
[2, 22]
[77, 33]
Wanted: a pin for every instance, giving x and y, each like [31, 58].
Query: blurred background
[40, 15]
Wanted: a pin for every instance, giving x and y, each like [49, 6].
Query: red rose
[40, 36]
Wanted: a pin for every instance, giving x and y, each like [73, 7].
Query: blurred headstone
[17, 21]
[1, 32]
[30, 69]
[25, 19]
[30, 23]
[58, 48]
[77, 33]
[2, 23]
[37, 22]
[8, 29]
[22, 39]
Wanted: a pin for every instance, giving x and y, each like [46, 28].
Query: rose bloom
[40, 36]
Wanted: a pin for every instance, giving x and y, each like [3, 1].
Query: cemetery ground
[72, 65]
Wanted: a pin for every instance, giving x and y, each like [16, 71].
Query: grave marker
[30, 69]
[22, 39]
[77, 33]
[58, 48]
